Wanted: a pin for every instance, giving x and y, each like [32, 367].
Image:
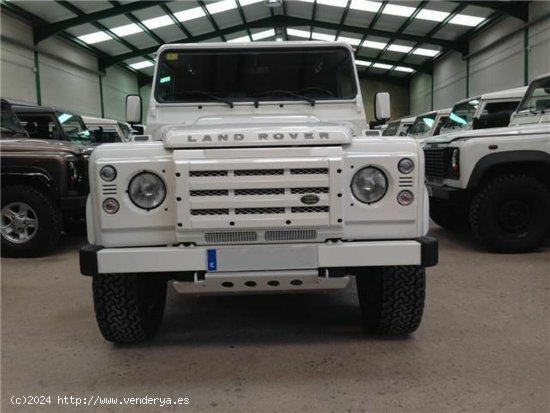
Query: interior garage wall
[17, 62]
[494, 64]
[56, 73]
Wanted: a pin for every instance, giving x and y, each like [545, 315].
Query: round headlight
[107, 173]
[147, 190]
[405, 166]
[369, 185]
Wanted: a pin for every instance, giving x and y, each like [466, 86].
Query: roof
[397, 38]
[101, 121]
[28, 108]
[517, 92]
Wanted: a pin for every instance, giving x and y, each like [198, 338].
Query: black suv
[44, 187]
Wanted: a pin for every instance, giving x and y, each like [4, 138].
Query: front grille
[259, 172]
[237, 236]
[259, 211]
[238, 196]
[210, 192]
[310, 209]
[436, 162]
[217, 211]
[259, 191]
[308, 171]
[309, 191]
[291, 235]
[207, 173]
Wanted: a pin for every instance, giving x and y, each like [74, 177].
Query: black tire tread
[483, 195]
[49, 226]
[118, 308]
[398, 304]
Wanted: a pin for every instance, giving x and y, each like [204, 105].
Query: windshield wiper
[201, 93]
[284, 93]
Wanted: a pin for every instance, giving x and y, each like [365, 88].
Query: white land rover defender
[256, 177]
[497, 179]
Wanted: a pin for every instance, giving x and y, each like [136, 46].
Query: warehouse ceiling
[396, 38]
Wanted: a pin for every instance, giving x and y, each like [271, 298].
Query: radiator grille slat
[435, 160]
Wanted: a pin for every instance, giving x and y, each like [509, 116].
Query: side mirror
[133, 109]
[475, 123]
[382, 110]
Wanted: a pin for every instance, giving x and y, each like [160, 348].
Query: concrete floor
[483, 345]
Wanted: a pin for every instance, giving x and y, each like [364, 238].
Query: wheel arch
[533, 163]
[37, 179]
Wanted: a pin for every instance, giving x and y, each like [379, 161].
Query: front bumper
[446, 193]
[287, 257]
[74, 203]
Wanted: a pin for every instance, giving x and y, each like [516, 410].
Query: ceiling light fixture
[142, 65]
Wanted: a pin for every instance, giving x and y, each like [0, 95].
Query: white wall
[17, 62]
[449, 81]
[500, 66]
[539, 39]
[69, 76]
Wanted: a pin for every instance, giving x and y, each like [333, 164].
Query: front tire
[31, 221]
[510, 214]
[128, 307]
[391, 298]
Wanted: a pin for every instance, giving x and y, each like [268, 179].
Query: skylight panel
[403, 69]
[263, 35]
[426, 52]
[249, 2]
[399, 48]
[466, 20]
[221, 6]
[396, 10]
[322, 36]
[432, 15]
[374, 45]
[243, 39]
[126, 30]
[349, 40]
[382, 66]
[333, 3]
[95, 37]
[157, 22]
[365, 5]
[362, 63]
[298, 33]
[142, 65]
[189, 14]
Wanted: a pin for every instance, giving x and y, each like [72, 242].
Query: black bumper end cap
[429, 251]
[88, 259]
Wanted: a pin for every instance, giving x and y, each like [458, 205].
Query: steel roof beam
[49, 29]
[211, 19]
[76, 10]
[371, 25]
[243, 18]
[169, 13]
[518, 9]
[138, 22]
[343, 19]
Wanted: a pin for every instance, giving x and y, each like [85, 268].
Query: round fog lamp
[107, 173]
[405, 166]
[369, 185]
[147, 190]
[405, 198]
[110, 206]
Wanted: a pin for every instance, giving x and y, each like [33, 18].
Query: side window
[104, 134]
[439, 125]
[496, 114]
[39, 126]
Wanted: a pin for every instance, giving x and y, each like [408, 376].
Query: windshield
[391, 130]
[10, 123]
[125, 128]
[537, 97]
[423, 124]
[262, 74]
[74, 127]
[462, 114]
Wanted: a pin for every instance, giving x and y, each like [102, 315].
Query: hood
[43, 145]
[257, 131]
[508, 131]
